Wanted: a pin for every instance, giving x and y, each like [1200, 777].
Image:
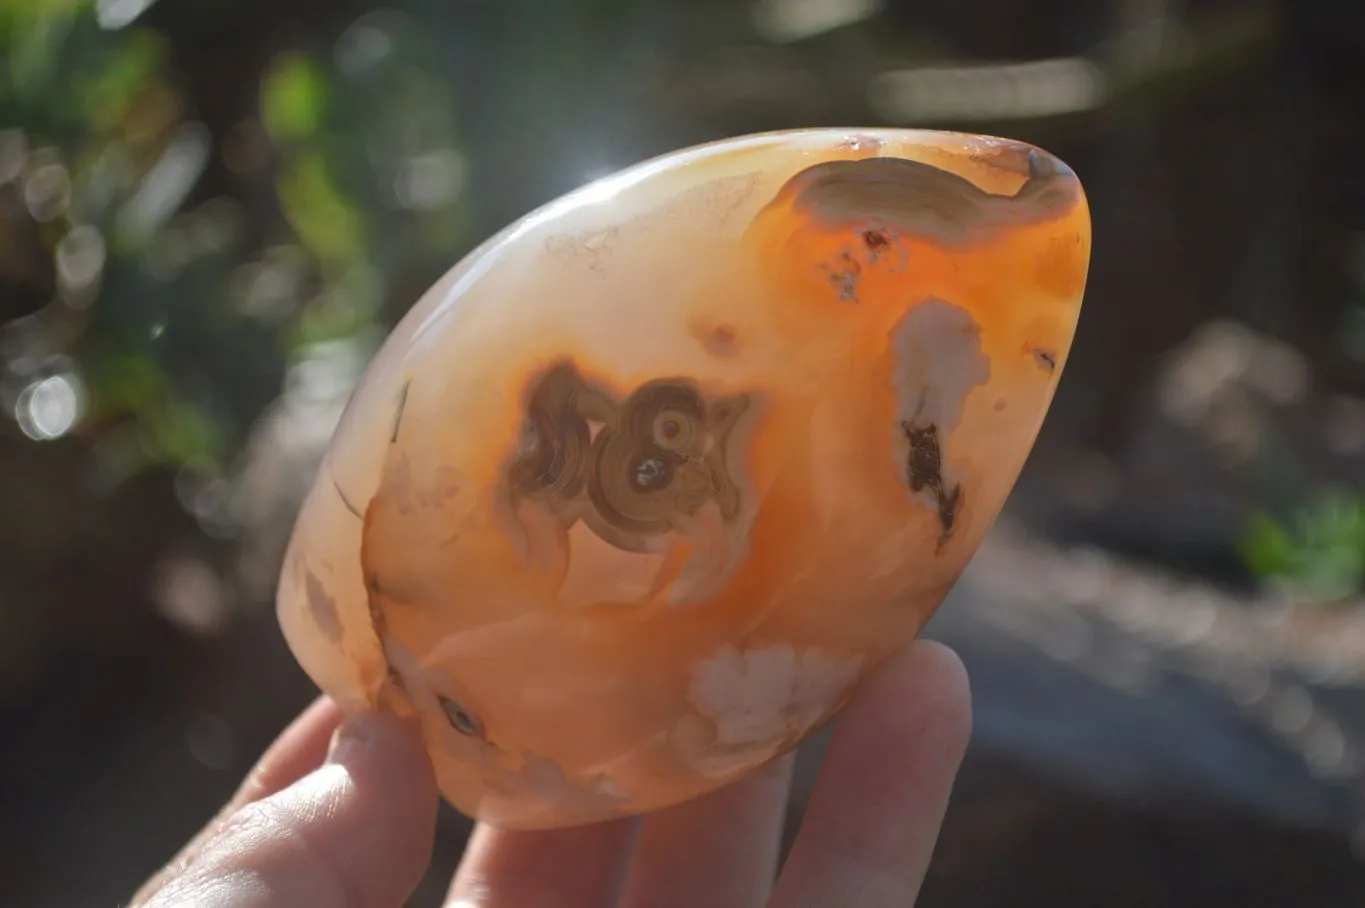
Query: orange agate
[633, 497]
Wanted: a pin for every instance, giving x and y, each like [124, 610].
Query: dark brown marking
[377, 619]
[1045, 358]
[925, 471]
[652, 462]
[1000, 405]
[346, 501]
[460, 718]
[556, 438]
[723, 337]
[398, 414]
[720, 340]
[875, 240]
[379, 626]
[323, 608]
[914, 198]
[652, 473]
[656, 457]
[844, 276]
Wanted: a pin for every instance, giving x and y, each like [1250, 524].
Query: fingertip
[935, 677]
[874, 814]
[358, 830]
[380, 828]
[581, 865]
[385, 749]
[296, 752]
[912, 714]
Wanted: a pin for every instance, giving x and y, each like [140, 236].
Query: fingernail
[350, 740]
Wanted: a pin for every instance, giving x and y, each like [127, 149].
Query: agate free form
[634, 496]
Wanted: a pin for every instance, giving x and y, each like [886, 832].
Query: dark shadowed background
[210, 210]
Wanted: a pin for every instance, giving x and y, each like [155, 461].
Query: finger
[577, 867]
[357, 831]
[875, 811]
[296, 752]
[720, 850]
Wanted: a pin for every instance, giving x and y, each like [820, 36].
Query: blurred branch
[808, 82]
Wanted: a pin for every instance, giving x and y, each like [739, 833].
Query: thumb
[356, 831]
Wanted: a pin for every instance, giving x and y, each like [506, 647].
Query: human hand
[351, 824]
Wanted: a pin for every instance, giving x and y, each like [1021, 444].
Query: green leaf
[36, 31]
[1267, 548]
[179, 433]
[293, 98]
[325, 220]
[108, 93]
[1322, 557]
[125, 382]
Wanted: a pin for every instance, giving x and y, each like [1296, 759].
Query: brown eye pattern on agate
[628, 468]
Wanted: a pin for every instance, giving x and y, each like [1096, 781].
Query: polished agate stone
[634, 496]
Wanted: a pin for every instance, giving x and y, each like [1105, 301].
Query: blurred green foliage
[151, 317]
[1318, 554]
[1313, 544]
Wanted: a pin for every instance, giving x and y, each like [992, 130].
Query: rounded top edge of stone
[992, 163]
[743, 173]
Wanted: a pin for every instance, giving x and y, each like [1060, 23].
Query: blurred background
[212, 210]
